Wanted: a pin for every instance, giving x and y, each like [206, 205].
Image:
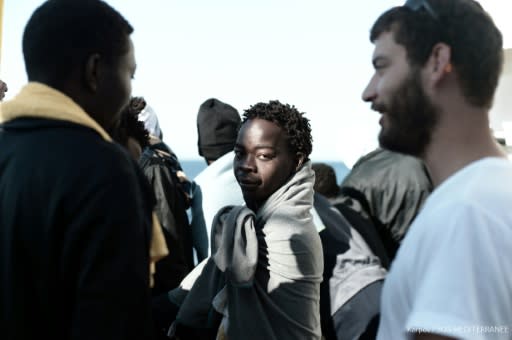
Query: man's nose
[369, 93]
[247, 163]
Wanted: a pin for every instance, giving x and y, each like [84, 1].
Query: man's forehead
[385, 45]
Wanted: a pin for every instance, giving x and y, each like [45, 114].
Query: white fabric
[216, 187]
[453, 272]
[219, 187]
[150, 120]
[355, 269]
[317, 220]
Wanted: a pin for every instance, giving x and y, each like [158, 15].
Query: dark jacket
[160, 165]
[349, 264]
[74, 235]
[387, 189]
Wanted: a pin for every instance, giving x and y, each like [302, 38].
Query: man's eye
[380, 67]
[264, 156]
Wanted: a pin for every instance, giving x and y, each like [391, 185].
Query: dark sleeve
[366, 228]
[110, 236]
[174, 267]
[200, 237]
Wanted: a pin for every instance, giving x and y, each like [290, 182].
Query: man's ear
[440, 62]
[92, 71]
[300, 160]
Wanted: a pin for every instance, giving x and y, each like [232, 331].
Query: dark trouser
[358, 318]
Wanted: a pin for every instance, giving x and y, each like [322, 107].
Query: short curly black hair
[293, 122]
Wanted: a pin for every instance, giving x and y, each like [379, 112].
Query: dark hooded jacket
[74, 235]
[160, 166]
[388, 190]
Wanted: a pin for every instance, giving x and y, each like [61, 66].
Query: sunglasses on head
[416, 5]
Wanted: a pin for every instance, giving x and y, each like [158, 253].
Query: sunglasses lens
[413, 4]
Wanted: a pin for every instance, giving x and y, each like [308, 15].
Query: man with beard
[437, 64]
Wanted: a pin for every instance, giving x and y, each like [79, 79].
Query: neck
[253, 206]
[461, 137]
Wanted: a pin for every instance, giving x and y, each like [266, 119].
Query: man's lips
[383, 117]
[378, 107]
[248, 183]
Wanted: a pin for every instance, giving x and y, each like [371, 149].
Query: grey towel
[270, 264]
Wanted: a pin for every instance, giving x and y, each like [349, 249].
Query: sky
[315, 55]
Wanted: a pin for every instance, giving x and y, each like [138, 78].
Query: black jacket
[160, 165]
[75, 218]
[387, 189]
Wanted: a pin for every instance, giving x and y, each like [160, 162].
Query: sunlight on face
[408, 117]
[263, 161]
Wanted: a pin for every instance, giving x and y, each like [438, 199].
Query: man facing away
[433, 85]
[75, 215]
[216, 186]
[387, 189]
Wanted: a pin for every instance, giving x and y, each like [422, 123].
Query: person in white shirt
[214, 187]
[437, 65]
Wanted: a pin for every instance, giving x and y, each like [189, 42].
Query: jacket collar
[37, 100]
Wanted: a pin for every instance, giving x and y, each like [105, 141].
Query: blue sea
[193, 167]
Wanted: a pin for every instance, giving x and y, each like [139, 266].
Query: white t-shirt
[218, 188]
[452, 275]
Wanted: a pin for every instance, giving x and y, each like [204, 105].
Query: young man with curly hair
[262, 280]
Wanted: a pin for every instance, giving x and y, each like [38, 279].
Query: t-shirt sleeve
[463, 276]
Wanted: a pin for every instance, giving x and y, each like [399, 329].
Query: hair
[131, 126]
[62, 34]
[475, 41]
[293, 122]
[325, 180]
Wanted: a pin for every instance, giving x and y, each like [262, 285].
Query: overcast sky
[313, 54]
